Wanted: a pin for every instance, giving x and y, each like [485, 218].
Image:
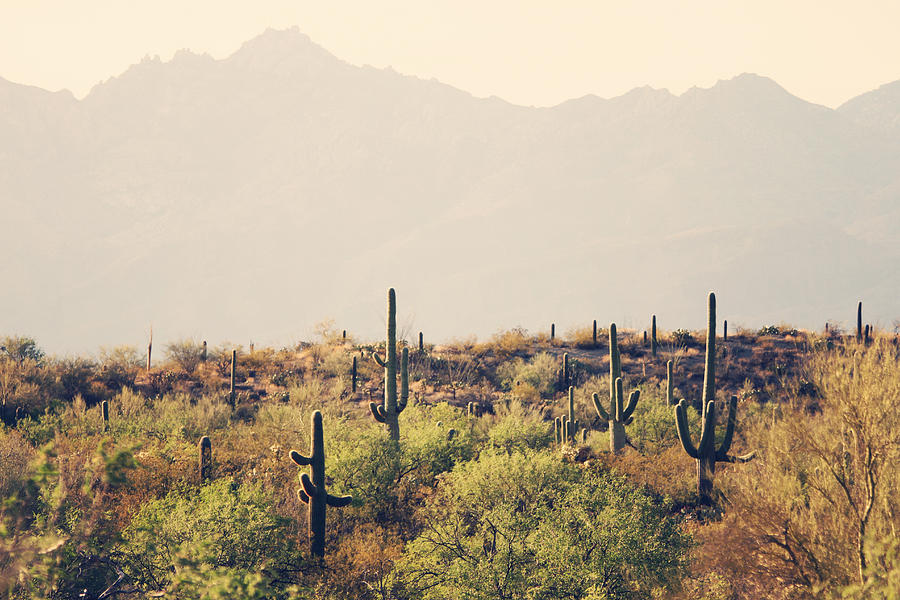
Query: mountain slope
[253, 196]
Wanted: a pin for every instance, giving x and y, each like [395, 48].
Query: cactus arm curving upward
[684, 433]
[301, 460]
[729, 429]
[338, 501]
[629, 408]
[377, 412]
[309, 487]
[378, 360]
[601, 412]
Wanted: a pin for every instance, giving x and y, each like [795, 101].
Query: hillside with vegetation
[595, 463]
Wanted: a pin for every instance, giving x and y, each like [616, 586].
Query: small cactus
[313, 492]
[389, 412]
[705, 453]
[670, 388]
[552, 331]
[203, 352]
[150, 348]
[421, 342]
[205, 452]
[557, 430]
[104, 409]
[859, 325]
[473, 409]
[232, 395]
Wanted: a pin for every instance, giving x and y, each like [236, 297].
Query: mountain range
[252, 197]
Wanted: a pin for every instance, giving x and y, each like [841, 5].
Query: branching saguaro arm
[313, 491]
[705, 452]
[389, 412]
[619, 413]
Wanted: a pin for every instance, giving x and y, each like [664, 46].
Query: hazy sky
[527, 52]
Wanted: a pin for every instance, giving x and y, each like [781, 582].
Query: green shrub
[525, 525]
[518, 428]
[223, 526]
[541, 373]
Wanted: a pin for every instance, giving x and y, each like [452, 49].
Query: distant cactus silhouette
[389, 412]
[232, 395]
[421, 342]
[353, 376]
[670, 387]
[705, 453]
[150, 348]
[725, 331]
[595, 332]
[104, 410]
[859, 325]
[313, 490]
[552, 331]
[572, 422]
[619, 414]
[205, 452]
[203, 353]
[654, 346]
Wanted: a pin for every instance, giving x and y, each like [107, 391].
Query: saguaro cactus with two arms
[313, 490]
[389, 412]
[705, 453]
[619, 414]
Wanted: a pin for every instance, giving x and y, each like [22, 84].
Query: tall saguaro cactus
[150, 346]
[859, 325]
[104, 409]
[670, 387]
[705, 453]
[313, 492]
[353, 376]
[389, 412]
[654, 346]
[572, 422]
[595, 332]
[619, 414]
[232, 394]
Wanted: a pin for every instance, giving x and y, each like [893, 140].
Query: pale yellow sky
[527, 52]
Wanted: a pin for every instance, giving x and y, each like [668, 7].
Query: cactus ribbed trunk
[232, 393]
[859, 326]
[670, 389]
[313, 491]
[389, 412]
[205, 459]
[104, 409]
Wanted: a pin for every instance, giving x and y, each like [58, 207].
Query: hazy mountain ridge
[255, 195]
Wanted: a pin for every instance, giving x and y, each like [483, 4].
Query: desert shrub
[75, 377]
[826, 475]
[224, 528]
[583, 337]
[25, 388]
[653, 427]
[15, 454]
[187, 354]
[518, 428]
[682, 337]
[119, 366]
[21, 349]
[510, 342]
[525, 525]
[540, 373]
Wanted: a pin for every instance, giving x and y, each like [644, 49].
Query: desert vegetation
[600, 464]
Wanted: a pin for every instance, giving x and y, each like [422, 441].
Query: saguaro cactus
[572, 429]
[654, 346]
[421, 342]
[353, 376]
[670, 388]
[557, 430]
[205, 457]
[595, 332]
[313, 490]
[552, 331]
[203, 353]
[150, 347]
[389, 412]
[619, 414]
[725, 330]
[104, 409]
[232, 393]
[859, 325]
[705, 453]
